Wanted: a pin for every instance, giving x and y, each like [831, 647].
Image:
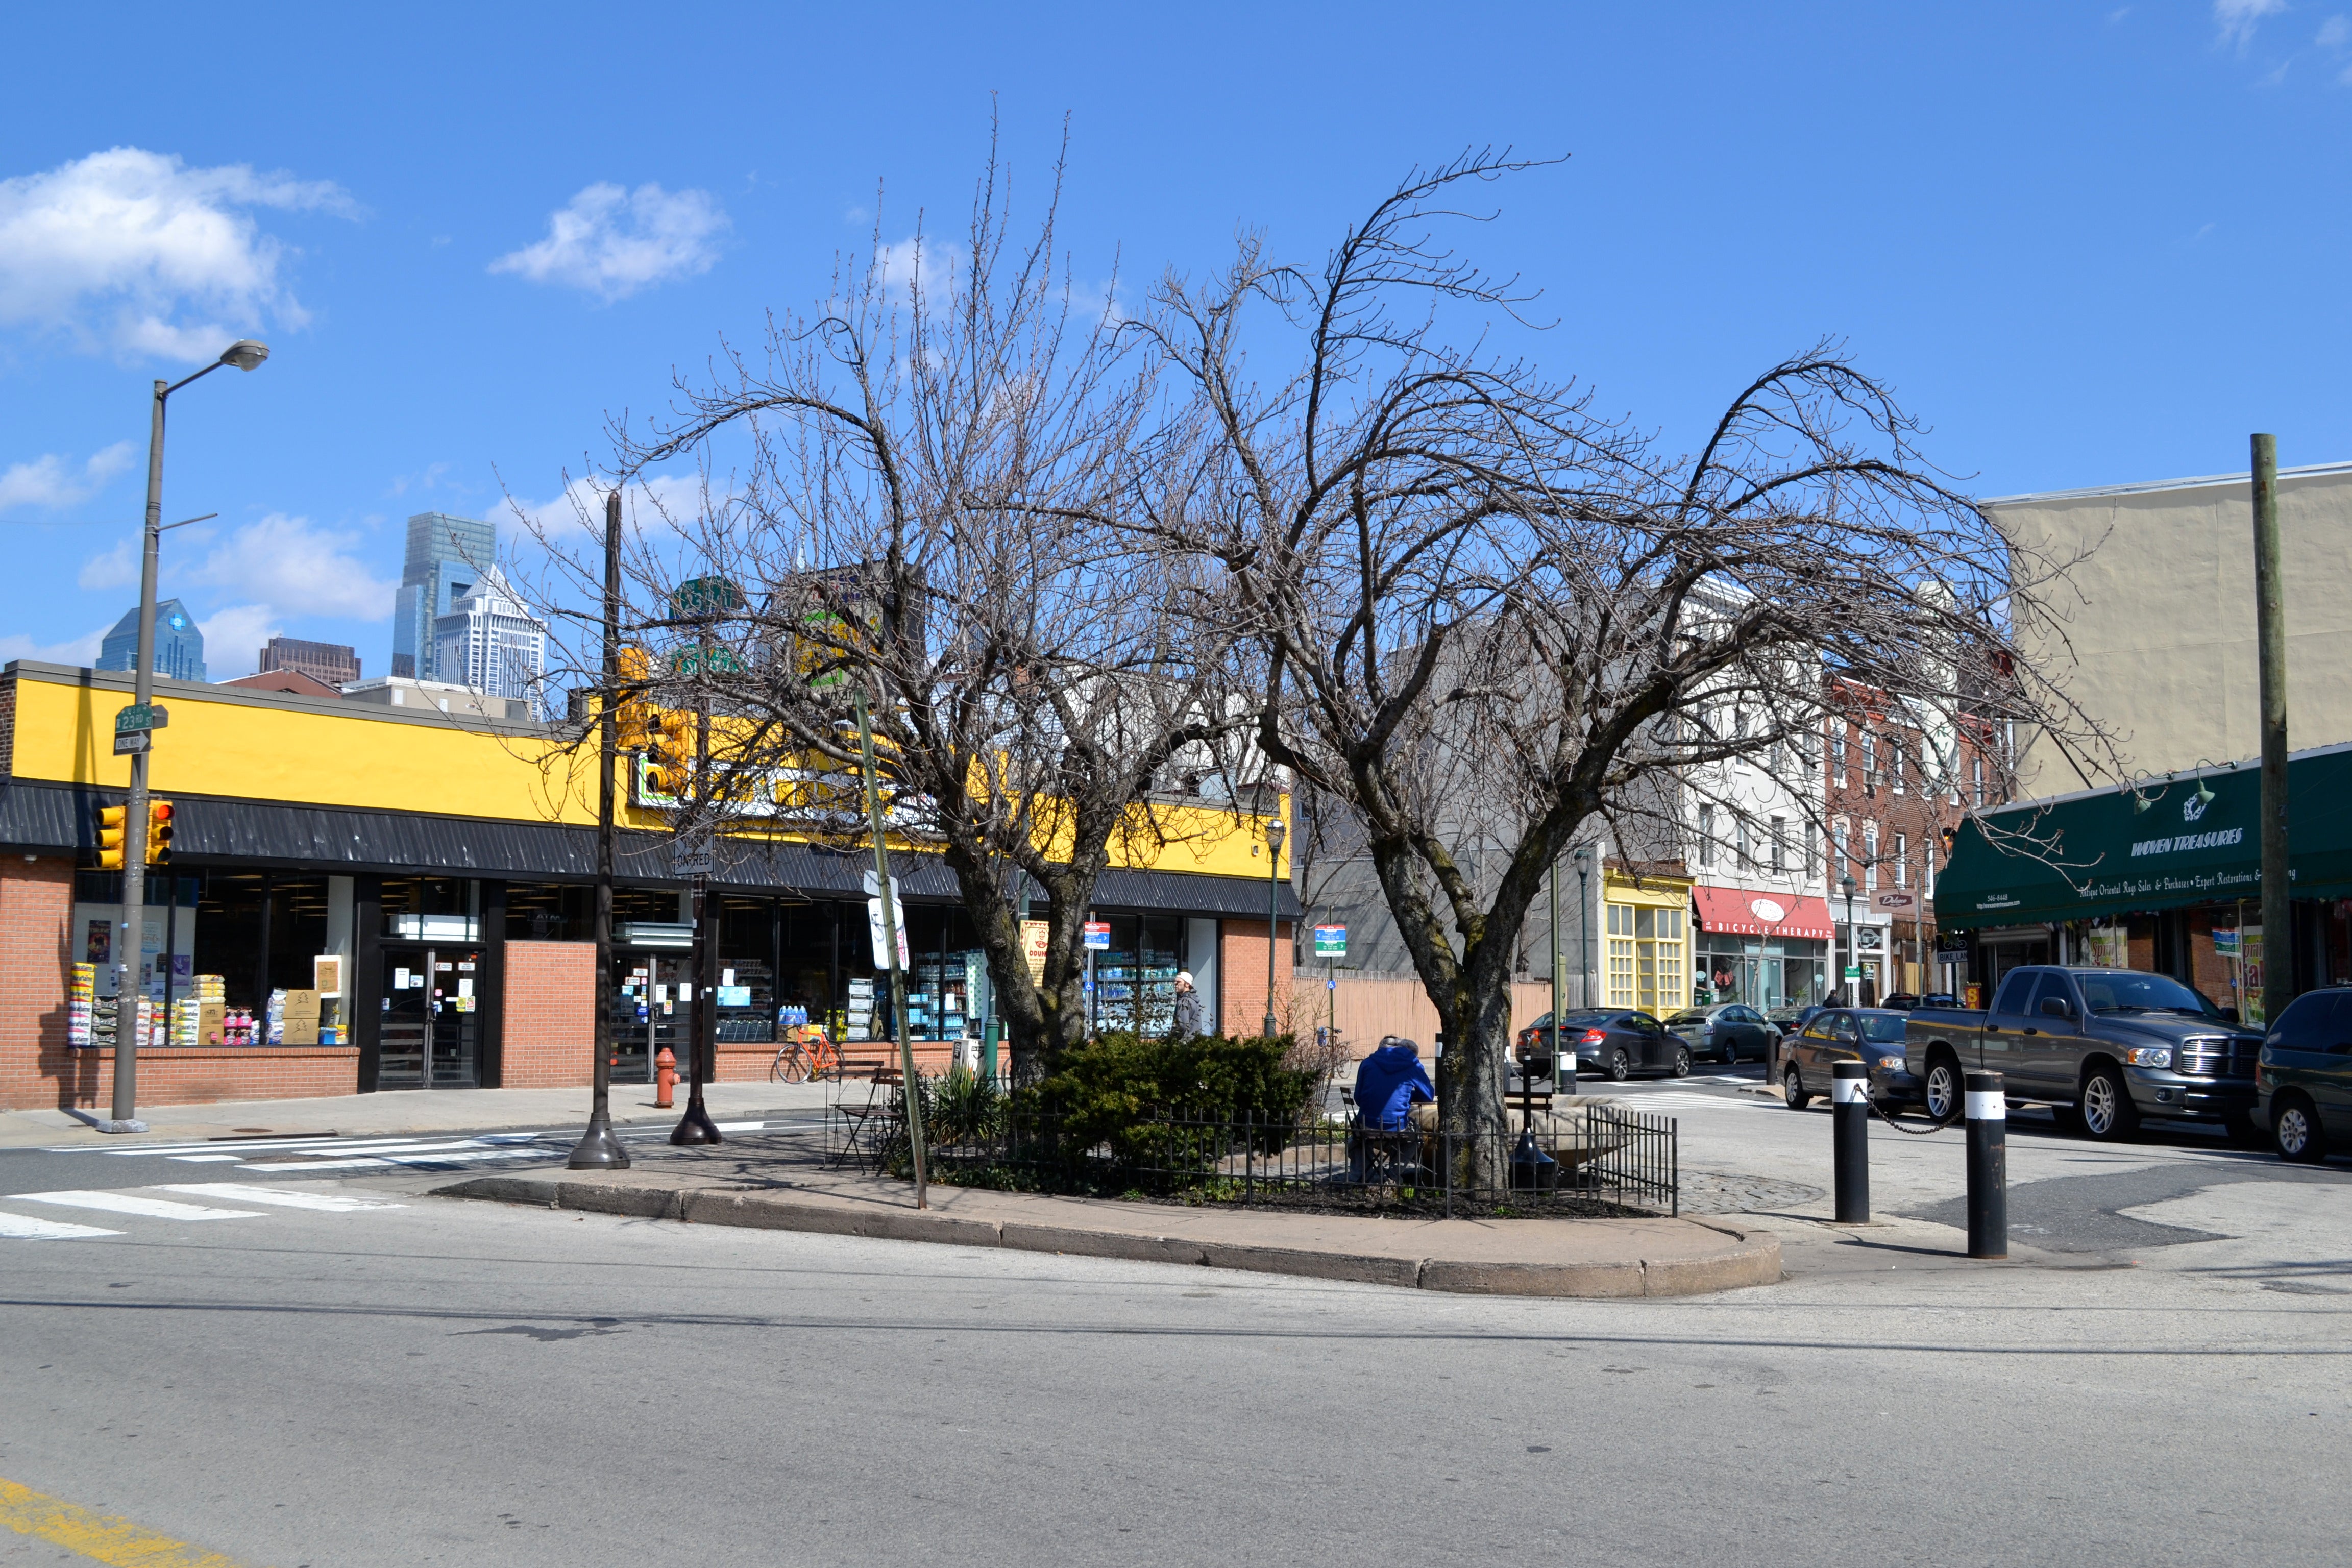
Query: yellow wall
[383, 758]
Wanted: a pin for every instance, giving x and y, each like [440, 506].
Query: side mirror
[2057, 1007]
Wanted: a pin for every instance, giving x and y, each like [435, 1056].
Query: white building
[489, 641]
[1762, 926]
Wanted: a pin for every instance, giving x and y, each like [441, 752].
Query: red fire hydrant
[666, 1078]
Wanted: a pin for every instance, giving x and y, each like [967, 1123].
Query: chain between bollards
[1988, 1118]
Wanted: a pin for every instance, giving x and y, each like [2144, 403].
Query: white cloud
[611, 243]
[293, 567]
[46, 480]
[80, 650]
[134, 251]
[2334, 32]
[582, 505]
[233, 638]
[117, 568]
[2238, 18]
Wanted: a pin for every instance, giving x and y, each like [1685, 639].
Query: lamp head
[1847, 883]
[244, 353]
[2204, 793]
[1274, 829]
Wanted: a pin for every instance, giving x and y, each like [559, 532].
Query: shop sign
[1894, 902]
[2225, 944]
[1854, 972]
[881, 943]
[1098, 936]
[1330, 942]
[1034, 936]
[1772, 912]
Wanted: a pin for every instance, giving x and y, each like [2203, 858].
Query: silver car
[1726, 1032]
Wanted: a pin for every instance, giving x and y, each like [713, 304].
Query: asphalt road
[451, 1382]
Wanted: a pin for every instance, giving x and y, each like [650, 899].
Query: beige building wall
[2154, 635]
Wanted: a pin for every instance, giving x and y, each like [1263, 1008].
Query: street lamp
[1852, 942]
[1273, 832]
[244, 355]
[1583, 930]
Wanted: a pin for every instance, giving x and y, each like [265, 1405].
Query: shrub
[1116, 1088]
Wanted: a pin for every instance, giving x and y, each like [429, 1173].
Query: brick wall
[549, 1027]
[36, 908]
[1241, 978]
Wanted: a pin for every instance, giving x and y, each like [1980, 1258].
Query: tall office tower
[179, 646]
[490, 641]
[337, 664]
[446, 556]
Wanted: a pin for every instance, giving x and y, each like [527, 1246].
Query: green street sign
[700, 596]
[1330, 942]
[1854, 972]
[141, 715]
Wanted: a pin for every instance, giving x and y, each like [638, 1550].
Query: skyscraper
[490, 641]
[446, 556]
[334, 663]
[179, 646]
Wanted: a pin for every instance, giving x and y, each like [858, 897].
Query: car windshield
[1881, 1026]
[1588, 1019]
[2120, 991]
[1689, 1016]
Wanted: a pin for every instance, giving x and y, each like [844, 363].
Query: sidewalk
[1594, 1257]
[401, 1111]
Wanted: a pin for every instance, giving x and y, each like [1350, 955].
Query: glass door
[431, 1035]
[652, 1011]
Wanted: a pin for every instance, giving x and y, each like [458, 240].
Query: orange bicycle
[806, 1055]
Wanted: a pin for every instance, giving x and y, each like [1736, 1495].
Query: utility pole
[696, 1127]
[890, 940]
[598, 1149]
[2270, 636]
[1560, 1081]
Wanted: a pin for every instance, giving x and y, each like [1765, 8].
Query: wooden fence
[1372, 1005]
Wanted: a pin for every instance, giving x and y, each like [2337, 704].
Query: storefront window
[432, 908]
[550, 912]
[1135, 980]
[1761, 973]
[1647, 965]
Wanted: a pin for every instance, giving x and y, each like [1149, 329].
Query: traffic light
[113, 823]
[159, 832]
[634, 715]
[669, 752]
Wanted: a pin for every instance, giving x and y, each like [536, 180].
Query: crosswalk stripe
[445, 1156]
[24, 1228]
[240, 1192]
[127, 1203]
[208, 1158]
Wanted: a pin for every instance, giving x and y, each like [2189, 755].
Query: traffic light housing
[633, 715]
[669, 752]
[159, 832]
[113, 828]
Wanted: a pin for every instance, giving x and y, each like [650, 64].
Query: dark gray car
[1725, 1031]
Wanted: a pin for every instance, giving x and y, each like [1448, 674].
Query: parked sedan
[1725, 1031]
[2305, 1076]
[1873, 1036]
[1620, 1044]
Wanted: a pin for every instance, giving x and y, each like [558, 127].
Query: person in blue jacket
[1388, 1083]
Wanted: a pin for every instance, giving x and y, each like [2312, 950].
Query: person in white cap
[1188, 1007]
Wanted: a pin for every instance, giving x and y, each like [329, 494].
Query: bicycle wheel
[791, 1066]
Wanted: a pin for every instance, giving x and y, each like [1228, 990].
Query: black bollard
[1988, 1166]
[1850, 1105]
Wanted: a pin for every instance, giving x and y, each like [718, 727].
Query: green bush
[1117, 1088]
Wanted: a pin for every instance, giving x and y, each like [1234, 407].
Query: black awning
[60, 819]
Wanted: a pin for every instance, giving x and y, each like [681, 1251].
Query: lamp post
[1852, 944]
[1273, 833]
[599, 1149]
[244, 355]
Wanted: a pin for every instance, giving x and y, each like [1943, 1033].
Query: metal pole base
[120, 1126]
[696, 1126]
[598, 1149]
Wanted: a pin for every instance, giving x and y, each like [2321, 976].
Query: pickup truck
[2101, 1046]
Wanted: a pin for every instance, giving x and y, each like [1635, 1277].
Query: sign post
[1331, 945]
[1097, 941]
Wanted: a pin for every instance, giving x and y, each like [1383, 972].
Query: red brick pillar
[36, 1067]
[1241, 976]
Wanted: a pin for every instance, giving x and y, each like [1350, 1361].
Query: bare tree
[1492, 618]
[947, 493]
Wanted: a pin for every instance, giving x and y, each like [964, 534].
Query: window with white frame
[1975, 771]
[1837, 750]
[1869, 760]
[1746, 860]
[1895, 763]
[1869, 857]
[1779, 845]
[1902, 861]
[1707, 836]
[1841, 863]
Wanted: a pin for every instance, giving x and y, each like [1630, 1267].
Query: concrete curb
[1744, 1259]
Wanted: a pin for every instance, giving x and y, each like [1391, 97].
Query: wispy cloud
[48, 481]
[2237, 19]
[133, 250]
[117, 568]
[581, 507]
[81, 650]
[290, 566]
[611, 242]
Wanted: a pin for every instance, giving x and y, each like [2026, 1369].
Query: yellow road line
[100, 1537]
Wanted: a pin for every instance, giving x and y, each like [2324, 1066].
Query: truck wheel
[1946, 1101]
[2296, 1131]
[1792, 1086]
[2105, 1107]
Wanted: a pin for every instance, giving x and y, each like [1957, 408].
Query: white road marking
[1683, 1097]
[240, 1192]
[23, 1227]
[205, 1159]
[127, 1203]
[446, 1155]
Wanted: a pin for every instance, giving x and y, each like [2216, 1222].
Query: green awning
[2072, 858]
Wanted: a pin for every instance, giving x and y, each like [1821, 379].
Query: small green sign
[141, 715]
[1854, 972]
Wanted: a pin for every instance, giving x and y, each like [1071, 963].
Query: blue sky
[2088, 243]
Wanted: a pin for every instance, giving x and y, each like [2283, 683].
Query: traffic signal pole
[599, 1149]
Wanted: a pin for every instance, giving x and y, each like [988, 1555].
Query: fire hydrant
[666, 1078]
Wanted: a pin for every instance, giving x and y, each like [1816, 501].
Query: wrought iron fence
[1583, 1160]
